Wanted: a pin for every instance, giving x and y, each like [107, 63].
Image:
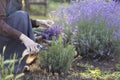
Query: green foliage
[7, 68]
[58, 57]
[93, 75]
[95, 40]
[6, 72]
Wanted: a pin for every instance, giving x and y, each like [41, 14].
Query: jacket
[5, 29]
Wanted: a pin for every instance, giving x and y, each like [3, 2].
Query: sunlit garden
[83, 43]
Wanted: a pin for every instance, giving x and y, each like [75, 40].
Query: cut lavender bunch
[49, 34]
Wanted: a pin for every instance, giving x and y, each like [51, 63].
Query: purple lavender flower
[75, 31]
[94, 10]
[51, 33]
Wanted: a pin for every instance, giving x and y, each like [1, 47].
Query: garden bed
[83, 69]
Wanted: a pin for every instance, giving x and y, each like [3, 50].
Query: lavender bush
[94, 10]
[116, 0]
[58, 58]
[95, 41]
[80, 13]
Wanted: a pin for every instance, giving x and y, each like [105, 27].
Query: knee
[18, 20]
[20, 15]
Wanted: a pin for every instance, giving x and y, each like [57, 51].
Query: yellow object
[23, 1]
[96, 71]
[31, 58]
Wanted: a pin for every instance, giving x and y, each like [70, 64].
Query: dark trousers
[21, 22]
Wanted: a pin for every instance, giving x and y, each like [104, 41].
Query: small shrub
[58, 58]
[95, 40]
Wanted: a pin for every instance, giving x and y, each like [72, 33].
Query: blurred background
[42, 8]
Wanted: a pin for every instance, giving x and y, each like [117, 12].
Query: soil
[78, 66]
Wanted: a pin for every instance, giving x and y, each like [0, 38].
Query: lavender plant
[95, 41]
[92, 19]
[90, 10]
[116, 0]
[58, 58]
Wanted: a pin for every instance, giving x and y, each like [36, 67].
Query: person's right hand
[45, 23]
[30, 44]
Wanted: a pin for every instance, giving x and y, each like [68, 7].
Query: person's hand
[30, 44]
[45, 23]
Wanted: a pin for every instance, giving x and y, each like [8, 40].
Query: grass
[52, 6]
[91, 70]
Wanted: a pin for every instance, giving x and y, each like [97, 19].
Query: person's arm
[30, 44]
[8, 31]
[43, 23]
[34, 23]
[5, 29]
[12, 33]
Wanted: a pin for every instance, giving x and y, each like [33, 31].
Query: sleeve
[8, 31]
[34, 23]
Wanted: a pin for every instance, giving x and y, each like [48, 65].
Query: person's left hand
[45, 23]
